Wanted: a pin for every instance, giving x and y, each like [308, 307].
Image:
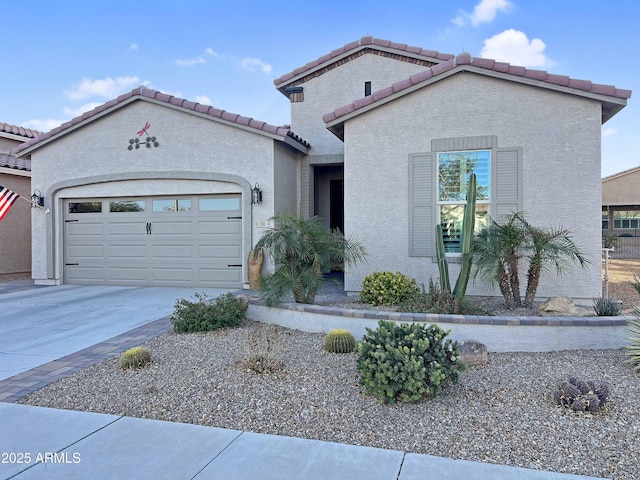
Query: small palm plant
[301, 250]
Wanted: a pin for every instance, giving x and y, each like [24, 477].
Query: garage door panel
[85, 251]
[221, 227]
[127, 229]
[127, 251]
[166, 252]
[181, 248]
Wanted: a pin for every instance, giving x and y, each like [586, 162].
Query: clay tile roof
[170, 100]
[19, 131]
[465, 61]
[364, 42]
[9, 161]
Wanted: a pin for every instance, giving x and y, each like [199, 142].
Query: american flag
[7, 198]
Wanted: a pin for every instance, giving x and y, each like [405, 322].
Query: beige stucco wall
[15, 227]
[196, 155]
[559, 135]
[339, 87]
[623, 189]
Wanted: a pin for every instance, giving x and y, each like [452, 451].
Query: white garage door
[162, 241]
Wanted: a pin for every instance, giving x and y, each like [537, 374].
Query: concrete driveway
[39, 325]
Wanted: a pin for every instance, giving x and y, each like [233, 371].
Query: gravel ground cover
[501, 413]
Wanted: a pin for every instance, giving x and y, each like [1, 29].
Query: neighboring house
[621, 203]
[385, 135]
[15, 228]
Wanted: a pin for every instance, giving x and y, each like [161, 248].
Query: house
[149, 189]
[621, 203]
[15, 228]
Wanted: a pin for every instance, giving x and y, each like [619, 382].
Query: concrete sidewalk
[42, 443]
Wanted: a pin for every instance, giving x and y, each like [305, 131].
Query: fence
[625, 247]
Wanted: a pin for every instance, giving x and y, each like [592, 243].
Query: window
[85, 207]
[220, 203]
[624, 219]
[172, 205]
[127, 206]
[454, 171]
[367, 89]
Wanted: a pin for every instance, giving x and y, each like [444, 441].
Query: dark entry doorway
[328, 196]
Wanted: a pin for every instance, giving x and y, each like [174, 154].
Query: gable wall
[622, 190]
[195, 156]
[559, 136]
[341, 86]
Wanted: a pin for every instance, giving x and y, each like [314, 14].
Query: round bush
[387, 288]
[408, 361]
[136, 357]
[339, 341]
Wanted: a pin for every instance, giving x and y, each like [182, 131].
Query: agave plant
[301, 250]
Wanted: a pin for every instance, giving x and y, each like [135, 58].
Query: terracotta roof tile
[19, 131]
[465, 61]
[370, 42]
[9, 161]
[170, 100]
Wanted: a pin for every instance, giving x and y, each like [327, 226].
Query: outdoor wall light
[256, 194]
[37, 199]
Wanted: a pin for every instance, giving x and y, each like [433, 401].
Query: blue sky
[63, 58]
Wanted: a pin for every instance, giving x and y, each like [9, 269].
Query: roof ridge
[142, 91]
[465, 60]
[623, 172]
[363, 42]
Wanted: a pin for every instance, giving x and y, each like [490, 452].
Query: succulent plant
[581, 395]
[136, 357]
[340, 341]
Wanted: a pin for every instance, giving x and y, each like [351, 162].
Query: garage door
[162, 241]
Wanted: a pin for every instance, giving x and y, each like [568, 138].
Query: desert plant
[606, 307]
[136, 357]
[339, 341]
[500, 246]
[635, 283]
[435, 300]
[301, 250]
[633, 350]
[581, 395]
[387, 288]
[263, 350]
[407, 362]
[203, 315]
[468, 229]
[610, 241]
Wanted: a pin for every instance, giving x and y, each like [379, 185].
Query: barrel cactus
[580, 395]
[136, 357]
[339, 341]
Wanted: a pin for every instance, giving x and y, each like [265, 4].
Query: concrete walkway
[42, 443]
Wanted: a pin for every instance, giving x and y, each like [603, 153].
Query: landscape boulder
[562, 307]
[473, 353]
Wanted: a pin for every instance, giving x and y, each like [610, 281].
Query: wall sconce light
[256, 194]
[37, 199]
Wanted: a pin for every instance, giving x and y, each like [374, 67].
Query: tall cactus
[468, 227]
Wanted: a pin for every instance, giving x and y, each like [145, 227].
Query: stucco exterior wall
[286, 187]
[195, 155]
[15, 227]
[560, 139]
[339, 87]
[622, 189]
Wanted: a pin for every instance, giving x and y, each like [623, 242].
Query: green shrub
[606, 307]
[204, 315]
[440, 301]
[407, 362]
[136, 357]
[339, 341]
[387, 288]
[581, 396]
[633, 350]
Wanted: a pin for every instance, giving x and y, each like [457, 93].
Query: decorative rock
[563, 307]
[473, 353]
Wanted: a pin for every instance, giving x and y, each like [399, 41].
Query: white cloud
[483, 12]
[253, 63]
[43, 125]
[190, 62]
[210, 51]
[203, 99]
[514, 47]
[608, 132]
[105, 88]
[133, 47]
[75, 112]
